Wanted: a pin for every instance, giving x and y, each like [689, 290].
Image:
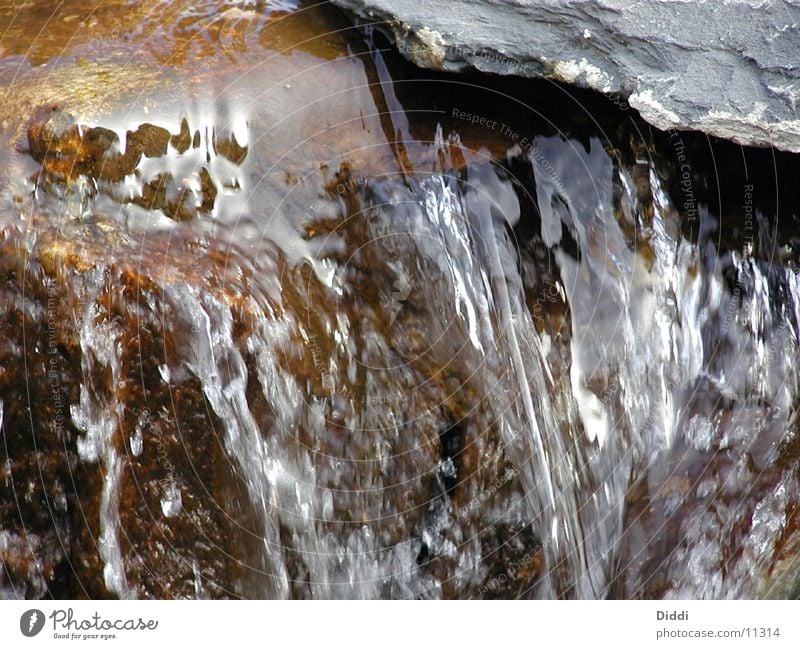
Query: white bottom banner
[399, 624]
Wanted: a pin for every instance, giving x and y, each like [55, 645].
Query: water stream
[284, 317]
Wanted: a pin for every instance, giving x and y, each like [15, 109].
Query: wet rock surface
[121, 480]
[72, 155]
[728, 69]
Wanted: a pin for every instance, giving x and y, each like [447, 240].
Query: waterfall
[330, 326]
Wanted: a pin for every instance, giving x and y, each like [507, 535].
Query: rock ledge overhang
[728, 68]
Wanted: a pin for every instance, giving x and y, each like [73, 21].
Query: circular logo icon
[31, 622]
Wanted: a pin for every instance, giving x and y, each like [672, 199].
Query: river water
[284, 317]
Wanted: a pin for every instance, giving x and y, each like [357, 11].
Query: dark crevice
[452, 444]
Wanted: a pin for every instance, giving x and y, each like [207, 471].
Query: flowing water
[285, 317]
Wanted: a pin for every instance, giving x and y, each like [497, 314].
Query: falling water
[319, 340]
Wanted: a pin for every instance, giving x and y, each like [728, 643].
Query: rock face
[729, 69]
